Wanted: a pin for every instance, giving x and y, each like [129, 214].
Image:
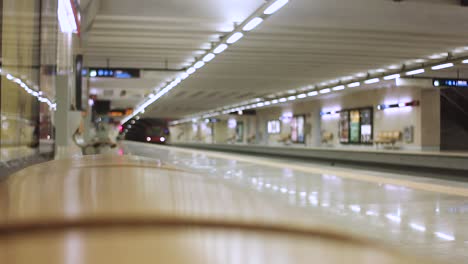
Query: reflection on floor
[415, 214]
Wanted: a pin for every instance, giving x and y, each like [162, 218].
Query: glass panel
[344, 127]
[366, 126]
[24, 120]
[354, 136]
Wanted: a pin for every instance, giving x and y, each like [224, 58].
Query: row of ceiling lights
[258, 103]
[249, 24]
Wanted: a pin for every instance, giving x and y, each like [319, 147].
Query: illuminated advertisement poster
[354, 133]
[274, 127]
[297, 129]
[344, 127]
[366, 126]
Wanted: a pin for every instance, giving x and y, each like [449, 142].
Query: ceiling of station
[307, 42]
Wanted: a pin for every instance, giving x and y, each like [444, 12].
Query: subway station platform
[418, 215]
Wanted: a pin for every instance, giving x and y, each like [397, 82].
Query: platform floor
[419, 215]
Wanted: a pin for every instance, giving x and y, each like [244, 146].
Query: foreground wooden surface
[110, 209]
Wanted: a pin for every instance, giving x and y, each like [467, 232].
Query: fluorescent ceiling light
[442, 66]
[415, 72]
[208, 57]
[292, 98]
[220, 48]
[375, 80]
[314, 93]
[275, 7]
[282, 100]
[184, 75]
[338, 88]
[355, 84]
[302, 96]
[199, 64]
[234, 38]
[465, 62]
[274, 101]
[252, 24]
[324, 91]
[66, 17]
[391, 77]
[191, 70]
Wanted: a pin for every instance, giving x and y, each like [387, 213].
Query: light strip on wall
[251, 22]
[37, 94]
[465, 62]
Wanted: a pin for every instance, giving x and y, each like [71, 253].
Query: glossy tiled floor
[419, 215]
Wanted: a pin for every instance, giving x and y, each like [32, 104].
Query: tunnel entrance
[454, 119]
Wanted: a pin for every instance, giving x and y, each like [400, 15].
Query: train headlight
[148, 139]
[162, 139]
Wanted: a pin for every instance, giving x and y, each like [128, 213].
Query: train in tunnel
[148, 130]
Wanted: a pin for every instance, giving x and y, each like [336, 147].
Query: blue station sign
[450, 83]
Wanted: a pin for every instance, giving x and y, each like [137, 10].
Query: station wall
[419, 122]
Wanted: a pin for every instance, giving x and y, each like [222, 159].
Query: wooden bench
[231, 139]
[327, 137]
[388, 138]
[285, 138]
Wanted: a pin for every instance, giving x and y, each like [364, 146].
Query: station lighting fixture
[191, 70]
[465, 62]
[371, 81]
[249, 24]
[442, 66]
[354, 84]
[392, 77]
[397, 105]
[67, 17]
[208, 57]
[292, 98]
[282, 100]
[252, 24]
[277, 5]
[234, 38]
[338, 88]
[220, 48]
[415, 72]
[324, 91]
[199, 64]
[301, 96]
[313, 93]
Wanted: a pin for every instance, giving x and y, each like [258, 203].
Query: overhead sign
[450, 83]
[114, 73]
